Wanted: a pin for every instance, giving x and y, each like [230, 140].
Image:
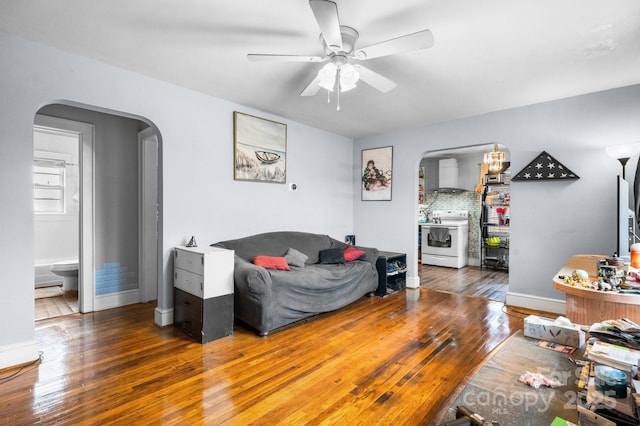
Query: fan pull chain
[328, 97]
[339, 88]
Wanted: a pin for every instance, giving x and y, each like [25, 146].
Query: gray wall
[551, 220]
[116, 188]
[199, 194]
[469, 160]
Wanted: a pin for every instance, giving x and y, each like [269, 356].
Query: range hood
[448, 176]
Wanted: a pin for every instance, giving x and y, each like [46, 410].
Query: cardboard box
[556, 331]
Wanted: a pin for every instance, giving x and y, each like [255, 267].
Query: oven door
[437, 242]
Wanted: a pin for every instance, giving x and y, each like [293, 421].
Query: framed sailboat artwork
[259, 149]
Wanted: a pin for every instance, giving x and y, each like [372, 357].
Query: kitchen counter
[587, 306]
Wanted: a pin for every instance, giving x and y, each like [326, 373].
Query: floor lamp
[623, 153]
[625, 227]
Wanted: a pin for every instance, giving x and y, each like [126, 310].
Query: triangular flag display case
[545, 167]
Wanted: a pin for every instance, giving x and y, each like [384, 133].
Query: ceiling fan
[339, 43]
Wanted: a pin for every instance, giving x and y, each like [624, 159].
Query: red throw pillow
[272, 262]
[351, 253]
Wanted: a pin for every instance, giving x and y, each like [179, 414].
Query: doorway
[110, 208]
[455, 180]
[56, 198]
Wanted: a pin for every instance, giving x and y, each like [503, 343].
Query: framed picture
[259, 149]
[376, 171]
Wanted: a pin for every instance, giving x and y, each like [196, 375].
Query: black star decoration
[545, 167]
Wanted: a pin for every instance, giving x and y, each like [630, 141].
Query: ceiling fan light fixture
[346, 74]
[349, 76]
[327, 76]
[339, 45]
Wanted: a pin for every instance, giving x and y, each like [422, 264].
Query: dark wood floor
[470, 280]
[391, 360]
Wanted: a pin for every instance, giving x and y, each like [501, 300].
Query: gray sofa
[268, 299]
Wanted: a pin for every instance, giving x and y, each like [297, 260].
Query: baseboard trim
[413, 282]
[18, 353]
[113, 300]
[473, 261]
[163, 317]
[529, 301]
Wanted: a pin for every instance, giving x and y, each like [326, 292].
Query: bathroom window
[49, 186]
[55, 174]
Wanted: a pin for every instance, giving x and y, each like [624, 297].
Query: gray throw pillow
[295, 257]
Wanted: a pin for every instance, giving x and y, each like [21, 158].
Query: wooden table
[586, 306]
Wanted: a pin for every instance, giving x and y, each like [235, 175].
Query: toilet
[68, 270]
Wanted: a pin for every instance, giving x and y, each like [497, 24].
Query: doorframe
[148, 214]
[86, 271]
[462, 151]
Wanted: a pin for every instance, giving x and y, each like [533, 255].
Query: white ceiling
[488, 55]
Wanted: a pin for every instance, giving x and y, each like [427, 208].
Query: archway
[455, 181]
[111, 255]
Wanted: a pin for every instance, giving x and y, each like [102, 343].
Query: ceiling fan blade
[257, 57]
[326, 13]
[312, 88]
[374, 79]
[420, 40]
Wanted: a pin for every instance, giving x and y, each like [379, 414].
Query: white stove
[445, 239]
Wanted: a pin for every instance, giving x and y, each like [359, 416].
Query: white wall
[199, 194]
[56, 235]
[550, 221]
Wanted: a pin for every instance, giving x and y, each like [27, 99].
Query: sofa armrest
[252, 278]
[371, 255]
[253, 298]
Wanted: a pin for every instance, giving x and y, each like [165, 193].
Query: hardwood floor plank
[51, 307]
[391, 360]
[470, 280]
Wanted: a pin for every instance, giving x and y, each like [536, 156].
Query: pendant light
[494, 159]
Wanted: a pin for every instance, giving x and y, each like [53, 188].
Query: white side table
[203, 292]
